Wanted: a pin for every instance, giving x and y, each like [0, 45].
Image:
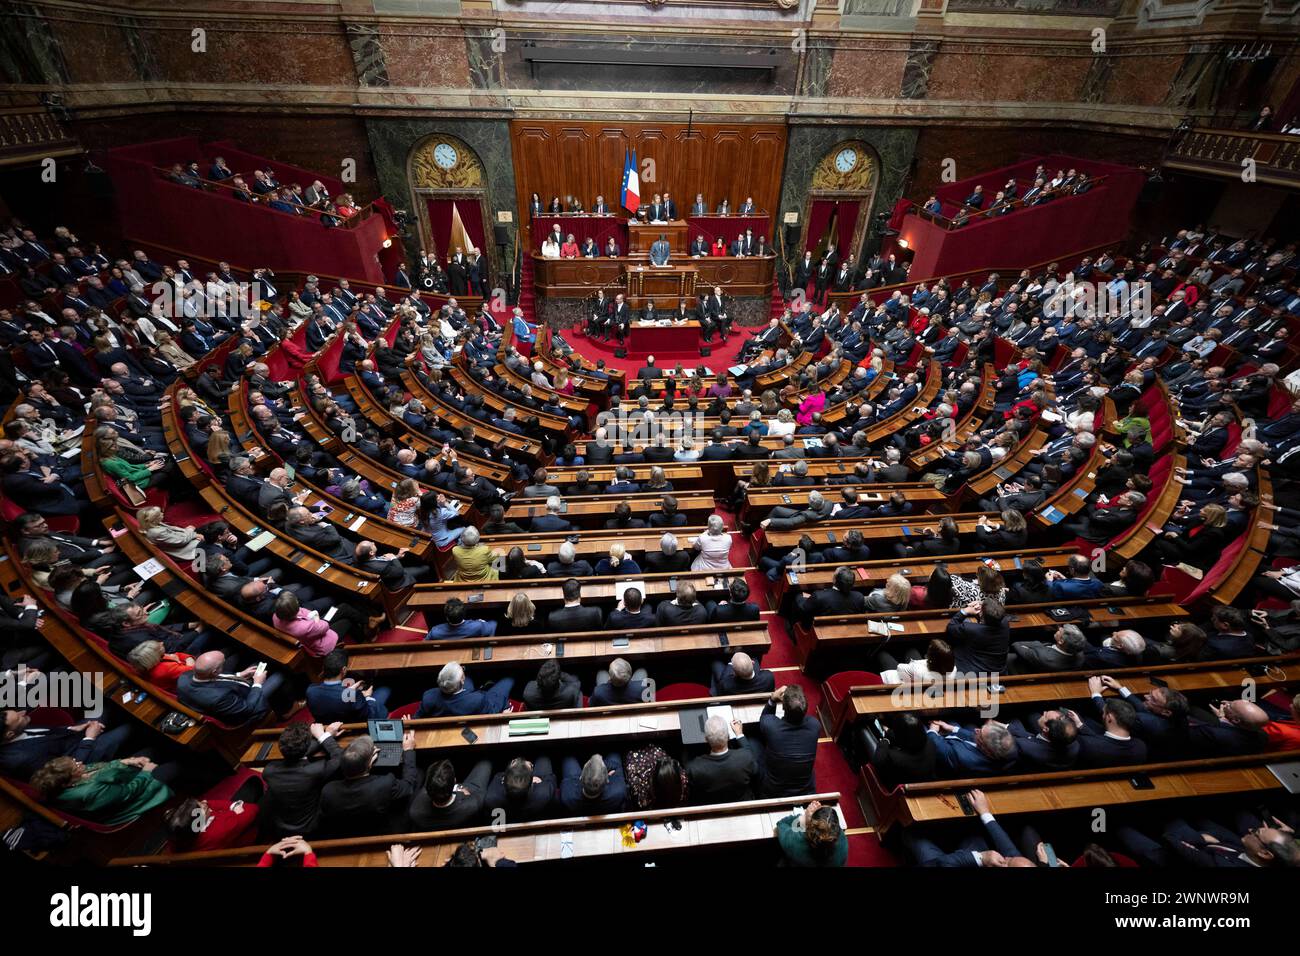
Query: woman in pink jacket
[810, 406]
[314, 634]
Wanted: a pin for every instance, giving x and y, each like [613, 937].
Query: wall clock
[444, 154]
[845, 160]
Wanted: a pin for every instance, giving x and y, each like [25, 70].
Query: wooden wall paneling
[558, 157]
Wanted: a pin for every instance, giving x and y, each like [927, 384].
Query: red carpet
[723, 354]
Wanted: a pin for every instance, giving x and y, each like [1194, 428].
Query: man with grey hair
[726, 773]
[789, 449]
[668, 558]
[621, 685]
[566, 563]
[988, 750]
[1065, 652]
[456, 696]
[783, 518]
[551, 520]
[596, 787]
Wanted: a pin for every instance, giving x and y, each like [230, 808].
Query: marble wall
[806, 145]
[391, 142]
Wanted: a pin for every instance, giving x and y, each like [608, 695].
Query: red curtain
[471, 214]
[819, 218]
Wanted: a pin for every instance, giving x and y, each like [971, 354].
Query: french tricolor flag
[631, 183]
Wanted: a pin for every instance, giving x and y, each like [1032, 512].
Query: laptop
[1288, 774]
[692, 723]
[387, 735]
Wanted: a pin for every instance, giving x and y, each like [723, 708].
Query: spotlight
[388, 243]
[903, 244]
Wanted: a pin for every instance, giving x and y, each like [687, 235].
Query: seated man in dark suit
[295, 781]
[736, 607]
[1116, 745]
[725, 774]
[839, 598]
[1063, 653]
[595, 787]
[455, 624]
[631, 613]
[682, 609]
[361, 803]
[551, 520]
[456, 696]
[340, 698]
[24, 749]
[986, 751]
[621, 685]
[553, 689]
[524, 791]
[1233, 728]
[993, 850]
[444, 804]
[740, 676]
[668, 558]
[788, 744]
[232, 699]
[1055, 745]
[567, 563]
[573, 617]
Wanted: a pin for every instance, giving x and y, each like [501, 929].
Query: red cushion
[682, 691]
[837, 686]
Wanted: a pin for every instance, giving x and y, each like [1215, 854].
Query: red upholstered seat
[406, 710]
[836, 687]
[682, 691]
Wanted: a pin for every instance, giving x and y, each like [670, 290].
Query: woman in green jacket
[813, 838]
[112, 793]
[142, 476]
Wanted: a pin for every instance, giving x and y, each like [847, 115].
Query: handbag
[133, 493]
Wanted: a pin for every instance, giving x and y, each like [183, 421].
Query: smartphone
[963, 801]
[1140, 781]
[469, 735]
[672, 585]
[723, 640]
[559, 648]
[830, 536]
[487, 653]
[1158, 681]
[794, 577]
[475, 598]
[621, 642]
[1050, 853]
[785, 498]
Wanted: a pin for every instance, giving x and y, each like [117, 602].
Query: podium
[669, 282]
[642, 235]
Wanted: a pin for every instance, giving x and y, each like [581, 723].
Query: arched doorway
[449, 196]
[838, 211]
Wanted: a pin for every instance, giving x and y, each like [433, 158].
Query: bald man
[233, 699]
[1233, 727]
[740, 676]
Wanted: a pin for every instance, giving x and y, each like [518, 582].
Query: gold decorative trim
[859, 179]
[427, 174]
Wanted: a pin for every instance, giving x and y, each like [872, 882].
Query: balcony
[1220, 152]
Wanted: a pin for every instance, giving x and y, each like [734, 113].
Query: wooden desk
[579, 278]
[1017, 689]
[628, 724]
[1070, 789]
[583, 648]
[722, 825]
[642, 235]
[550, 591]
[848, 633]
